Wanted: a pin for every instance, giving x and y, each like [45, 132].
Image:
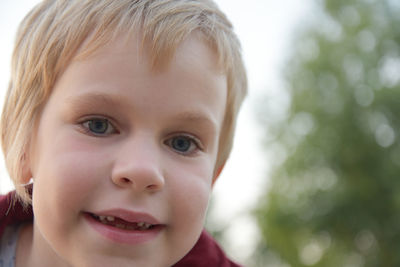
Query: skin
[157, 155]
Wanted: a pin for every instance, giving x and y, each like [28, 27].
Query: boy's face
[120, 146]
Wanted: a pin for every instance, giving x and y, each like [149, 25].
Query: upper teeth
[108, 218]
[143, 224]
[140, 225]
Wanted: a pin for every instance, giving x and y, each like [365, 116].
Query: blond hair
[51, 34]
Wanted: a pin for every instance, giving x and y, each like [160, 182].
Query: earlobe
[26, 174]
[217, 173]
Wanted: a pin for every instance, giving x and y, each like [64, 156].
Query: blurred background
[313, 177]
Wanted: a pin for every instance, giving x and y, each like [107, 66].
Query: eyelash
[86, 125]
[193, 141]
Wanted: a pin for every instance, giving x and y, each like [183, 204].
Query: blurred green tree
[335, 198]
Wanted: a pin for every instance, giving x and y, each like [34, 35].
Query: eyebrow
[93, 100]
[197, 118]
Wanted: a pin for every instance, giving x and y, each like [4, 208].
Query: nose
[137, 166]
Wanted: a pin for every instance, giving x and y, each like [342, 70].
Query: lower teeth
[124, 226]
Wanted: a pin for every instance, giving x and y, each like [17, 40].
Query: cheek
[66, 176]
[67, 171]
[188, 205]
[190, 192]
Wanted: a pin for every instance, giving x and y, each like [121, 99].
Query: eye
[184, 144]
[98, 126]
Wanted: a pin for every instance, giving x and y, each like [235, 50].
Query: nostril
[152, 187]
[126, 180]
[139, 180]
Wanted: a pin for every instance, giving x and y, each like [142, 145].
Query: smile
[124, 227]
[122, 224]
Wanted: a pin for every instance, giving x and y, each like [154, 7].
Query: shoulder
[6, 203]
[12, 211]
[206, 253]
[5, 207]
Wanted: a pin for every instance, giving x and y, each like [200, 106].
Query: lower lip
[117, 235]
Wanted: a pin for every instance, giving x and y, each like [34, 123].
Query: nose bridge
[137, 164]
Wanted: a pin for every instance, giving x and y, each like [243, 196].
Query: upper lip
[129, 216]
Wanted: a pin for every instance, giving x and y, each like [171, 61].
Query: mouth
[123, 224]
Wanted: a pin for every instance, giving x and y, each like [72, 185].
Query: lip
[123, 236]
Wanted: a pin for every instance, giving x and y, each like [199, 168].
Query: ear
[218, 172]
[26, 173]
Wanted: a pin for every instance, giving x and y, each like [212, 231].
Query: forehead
[158, 52]
[192, 71]
[193, 53]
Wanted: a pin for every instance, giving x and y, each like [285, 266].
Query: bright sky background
[265, 28]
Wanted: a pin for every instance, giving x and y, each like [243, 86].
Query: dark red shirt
[205, 253]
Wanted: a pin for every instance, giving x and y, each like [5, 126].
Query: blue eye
[183, 144]
[98, 126]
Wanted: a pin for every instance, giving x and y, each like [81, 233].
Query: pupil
[98, 126]
[181, 144]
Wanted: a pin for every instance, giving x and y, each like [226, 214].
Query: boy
[117, 122]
